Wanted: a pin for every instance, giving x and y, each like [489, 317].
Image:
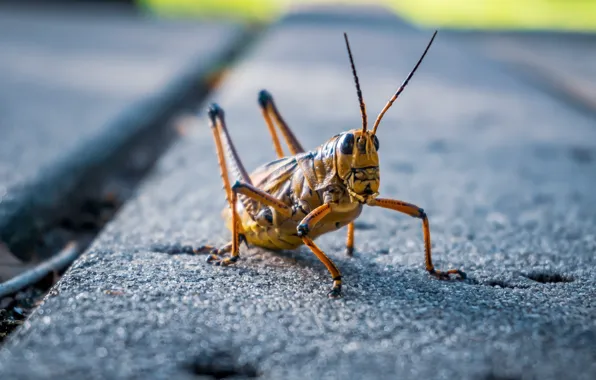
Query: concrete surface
[557, 63]
[504, 172]
[76, 84]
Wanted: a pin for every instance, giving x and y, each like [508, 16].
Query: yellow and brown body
[302, 182]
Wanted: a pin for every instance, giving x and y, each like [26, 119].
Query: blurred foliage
[468, 14]
[248, 10]
[501, 14]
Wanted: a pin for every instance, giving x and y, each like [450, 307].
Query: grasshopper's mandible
[290, 201]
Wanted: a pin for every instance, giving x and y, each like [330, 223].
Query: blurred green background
[572, 15]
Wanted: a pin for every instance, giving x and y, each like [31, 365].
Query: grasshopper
[291, 201]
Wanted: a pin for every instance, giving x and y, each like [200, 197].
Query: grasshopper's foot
[214, 259]
[350, 251]
[334, 293]
[336, 290]
[446, 275]
[215, 255]
[208, 249]
[212, 250]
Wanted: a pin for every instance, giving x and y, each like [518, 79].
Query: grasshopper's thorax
[358, 164]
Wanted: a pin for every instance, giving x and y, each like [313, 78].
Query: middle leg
[350, 240]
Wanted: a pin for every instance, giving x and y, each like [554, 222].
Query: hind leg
[218, 128]
[271, 114]
[242, 191]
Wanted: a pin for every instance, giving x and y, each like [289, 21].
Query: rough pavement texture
[504, 172]
[75, 85]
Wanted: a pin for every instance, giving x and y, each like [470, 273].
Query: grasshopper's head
[358, 163]
[357, 158]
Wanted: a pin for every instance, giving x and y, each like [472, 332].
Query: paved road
[75, 85]
[558, 63]
[504, 171]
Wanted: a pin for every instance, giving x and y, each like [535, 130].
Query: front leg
[307, 224]
[417, 212]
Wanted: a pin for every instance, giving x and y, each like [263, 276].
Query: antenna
[403, 85]
[358, 91]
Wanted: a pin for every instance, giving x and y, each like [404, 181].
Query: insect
[291, 201]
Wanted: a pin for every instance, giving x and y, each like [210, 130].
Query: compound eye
[347, 144]
[376, 142]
